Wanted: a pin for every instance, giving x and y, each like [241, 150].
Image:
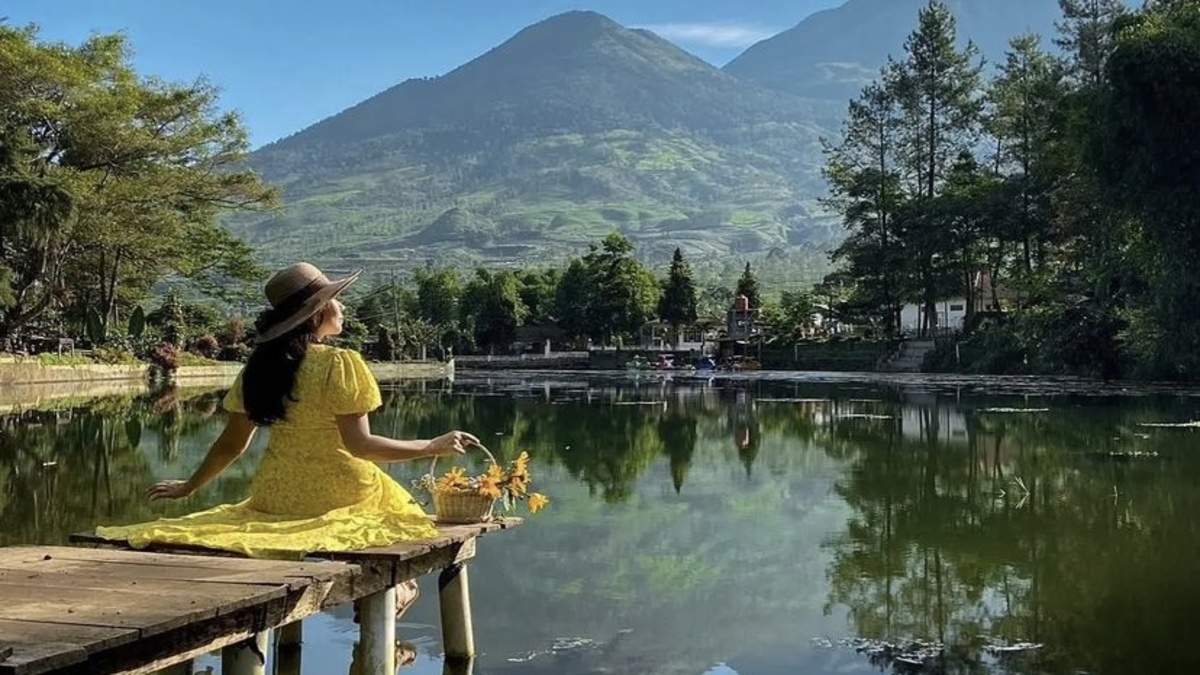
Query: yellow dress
[308, 494]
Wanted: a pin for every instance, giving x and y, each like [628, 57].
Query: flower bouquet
[460, 498]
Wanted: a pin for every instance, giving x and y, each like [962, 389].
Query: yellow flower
[488, 487]
[521, 466]
[454, 478]
[518, 483]
[537, 502]
[496, 473]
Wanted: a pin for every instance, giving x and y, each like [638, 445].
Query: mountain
[832, 54]
[572, 128]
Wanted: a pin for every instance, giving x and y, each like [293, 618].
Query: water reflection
[722, 526]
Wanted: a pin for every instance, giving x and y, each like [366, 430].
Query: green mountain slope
[832, 54]
[573, 128]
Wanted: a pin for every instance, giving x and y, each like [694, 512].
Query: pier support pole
[377, 616]
[248, 657]
[287, 648]
[458, 667]
[458, 636]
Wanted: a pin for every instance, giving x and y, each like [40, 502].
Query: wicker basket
[452, 506]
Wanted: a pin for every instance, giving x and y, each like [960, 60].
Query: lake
[750, 525]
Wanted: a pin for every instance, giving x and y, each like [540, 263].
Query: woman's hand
[170, 489]
[451, 443]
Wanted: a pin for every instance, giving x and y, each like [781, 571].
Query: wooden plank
[41, 646]
[40, 657]
[94, 637]
[197, 559]
[152, 607]
[126, 611]
[66, 570]
[90, 539]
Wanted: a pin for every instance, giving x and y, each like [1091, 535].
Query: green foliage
[137, 323]
[1081, 225]
[493, 307]
[607, 293]
[110, 181]
[439, 292]
[747, 285]
[797, 310]
[677, 306]
[95, 327]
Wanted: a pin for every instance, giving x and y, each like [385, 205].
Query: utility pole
[395, 309]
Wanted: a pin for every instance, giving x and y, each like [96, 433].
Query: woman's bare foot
[406, 653]
[406, 596]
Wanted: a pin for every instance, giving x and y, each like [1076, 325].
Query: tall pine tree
[863, 174]
[1025, 98]
[1085, 35]
[677, 306]
[747, 285]
[938, 86]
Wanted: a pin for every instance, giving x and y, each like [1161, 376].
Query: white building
[950, 315]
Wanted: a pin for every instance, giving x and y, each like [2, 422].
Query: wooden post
[458, 667]
[248, 657]
[458, 636]
[287, 648]
[377, 614]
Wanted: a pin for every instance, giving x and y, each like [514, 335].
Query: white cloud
[712, 34]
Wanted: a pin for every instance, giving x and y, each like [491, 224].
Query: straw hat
[297, 292]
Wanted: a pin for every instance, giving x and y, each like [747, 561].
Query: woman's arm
[230, 445]
[360, 442]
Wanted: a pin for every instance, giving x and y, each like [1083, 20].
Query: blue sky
[286, 65]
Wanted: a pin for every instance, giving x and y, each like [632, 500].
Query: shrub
[165, 356]
[115, 354]
[206, 346]
[238, 351]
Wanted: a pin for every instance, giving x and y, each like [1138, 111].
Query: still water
[748, 526]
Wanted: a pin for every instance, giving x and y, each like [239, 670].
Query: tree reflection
[685, 505]
[66, 468]
[1023, 527]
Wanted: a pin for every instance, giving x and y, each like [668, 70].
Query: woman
[317, 487]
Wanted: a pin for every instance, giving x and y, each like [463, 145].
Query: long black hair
[270, 373]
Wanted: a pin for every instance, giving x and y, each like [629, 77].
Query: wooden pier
[100, 608]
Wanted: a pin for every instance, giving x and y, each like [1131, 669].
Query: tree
[147, 166]
[938, 88]
[865, 188]
[797, 309]
[493, 308]
[1024, 99]
[677, 306]
[537, 288]
[35, 216]
[1085, 35]
[1147, 156]
[607, 293]
[747, 285]
[573, 300]
[438, 294]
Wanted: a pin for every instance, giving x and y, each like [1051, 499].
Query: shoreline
[25, 385]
